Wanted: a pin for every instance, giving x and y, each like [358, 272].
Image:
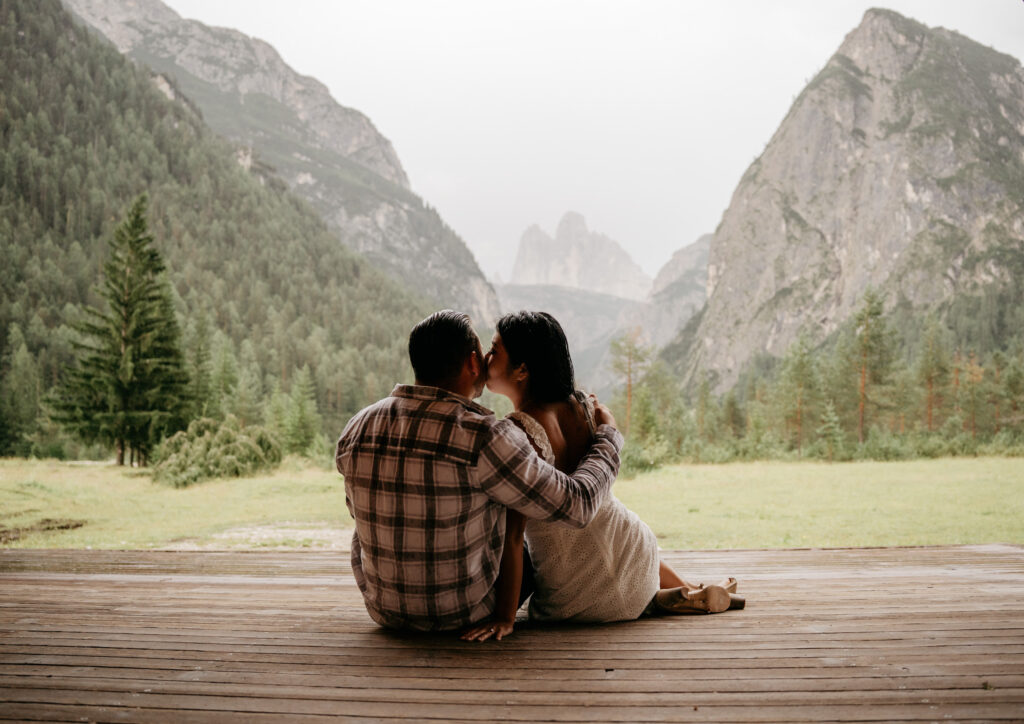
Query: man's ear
[475, 362]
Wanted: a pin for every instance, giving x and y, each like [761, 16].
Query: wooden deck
[932, 634]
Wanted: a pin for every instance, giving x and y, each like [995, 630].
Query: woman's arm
[508, 585]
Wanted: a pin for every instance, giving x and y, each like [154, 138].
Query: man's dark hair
[439, 346]
[536, 339]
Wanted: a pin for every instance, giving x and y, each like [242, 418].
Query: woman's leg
[679, 596]
[668, 578]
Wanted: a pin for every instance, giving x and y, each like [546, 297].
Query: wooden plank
[440, 680]
[512, 710]
[864, 634]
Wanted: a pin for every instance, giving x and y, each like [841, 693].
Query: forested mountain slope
[328, 154]
[83, 131]
[900, 167]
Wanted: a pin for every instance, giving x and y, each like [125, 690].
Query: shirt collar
[424, 392]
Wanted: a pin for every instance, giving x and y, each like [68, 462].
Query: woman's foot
[709, 599]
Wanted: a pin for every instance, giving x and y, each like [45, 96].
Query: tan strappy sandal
[707, 599]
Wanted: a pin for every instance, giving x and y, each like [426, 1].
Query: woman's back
[607, 571]
[568, 425]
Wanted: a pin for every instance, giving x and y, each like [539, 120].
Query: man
[429, 474]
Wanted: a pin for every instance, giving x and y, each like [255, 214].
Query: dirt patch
[275, 536]
[9, 535]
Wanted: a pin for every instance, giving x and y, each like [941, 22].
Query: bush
[639, 456]
[209, 449]
[882, 445]
[1005, 443]
[928, 445]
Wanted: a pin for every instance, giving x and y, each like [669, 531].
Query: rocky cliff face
[899, 167]
[578, 258]
[237, 65]
[679, 291]
[288, 125]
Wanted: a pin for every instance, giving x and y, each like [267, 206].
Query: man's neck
[463, 391]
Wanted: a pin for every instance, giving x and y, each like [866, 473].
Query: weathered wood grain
[888, 634]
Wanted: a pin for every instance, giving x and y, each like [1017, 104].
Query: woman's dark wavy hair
[536, 339]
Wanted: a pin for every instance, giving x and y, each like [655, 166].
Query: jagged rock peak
[691, 261]
[578, 258]
[898, 167]
[237, 63]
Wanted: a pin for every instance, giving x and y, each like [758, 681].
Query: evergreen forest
[278, 320]
[876, 390]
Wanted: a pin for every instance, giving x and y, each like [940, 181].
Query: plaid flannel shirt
[428, 477]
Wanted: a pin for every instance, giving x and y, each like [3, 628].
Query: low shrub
[639, 456]
[210, 449]
[884, 446]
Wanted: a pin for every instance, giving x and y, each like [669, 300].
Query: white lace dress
[607, 571]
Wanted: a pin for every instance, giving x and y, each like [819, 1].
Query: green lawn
[796, 505]
[123, 508]
[740, 505]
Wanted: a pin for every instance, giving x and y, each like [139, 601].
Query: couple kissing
[460, 517]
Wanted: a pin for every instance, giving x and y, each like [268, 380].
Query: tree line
[867, 393]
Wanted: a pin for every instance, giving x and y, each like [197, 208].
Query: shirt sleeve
[511, 473]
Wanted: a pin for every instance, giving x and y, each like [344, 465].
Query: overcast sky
[641, 115]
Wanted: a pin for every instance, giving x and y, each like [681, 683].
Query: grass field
[47, 504]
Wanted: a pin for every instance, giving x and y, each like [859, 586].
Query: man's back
[407, 462]
[428, 476]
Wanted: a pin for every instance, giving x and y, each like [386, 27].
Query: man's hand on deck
[487, 629]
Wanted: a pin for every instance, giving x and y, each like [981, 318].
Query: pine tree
[128, 386]
[247, 400]
[831, 431]
[275, 412]
[303, 421]
[874, 351]
[704, 408]
[629, 358]
[800, 385]
[200, 367]
[19, 395]
[734, 421]
[995, 390]
[932, 370]
[1013, 392]
[974, 376]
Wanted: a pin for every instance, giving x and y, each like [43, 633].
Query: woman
[607, 571]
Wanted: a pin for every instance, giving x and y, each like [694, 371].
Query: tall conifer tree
[129, 385]
[932, 370]
[874, 353]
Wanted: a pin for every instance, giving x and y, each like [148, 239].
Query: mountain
[679, 291]
[288, 124]
[592, 319]
[261, 284]
[899, 167]
[578, 258]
